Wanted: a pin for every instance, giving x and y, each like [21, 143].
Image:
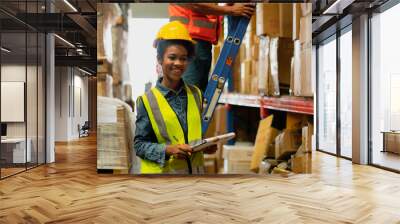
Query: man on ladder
[204, 21]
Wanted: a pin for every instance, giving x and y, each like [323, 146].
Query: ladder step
[223, 69]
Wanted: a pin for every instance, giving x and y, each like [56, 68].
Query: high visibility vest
[168, 130]
[200, 26]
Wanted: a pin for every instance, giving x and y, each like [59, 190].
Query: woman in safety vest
[169, 115]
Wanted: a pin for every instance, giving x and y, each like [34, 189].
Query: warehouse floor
[70, 191]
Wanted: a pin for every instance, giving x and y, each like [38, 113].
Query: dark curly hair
[164, 44]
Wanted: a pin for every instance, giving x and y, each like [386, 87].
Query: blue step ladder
[237, 27]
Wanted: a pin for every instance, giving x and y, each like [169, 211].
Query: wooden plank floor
[70, 191]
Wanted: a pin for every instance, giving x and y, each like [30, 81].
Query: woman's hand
[179, 150]
[211, 150]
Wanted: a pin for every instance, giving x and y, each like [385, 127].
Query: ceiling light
[65, 41]
[84, 71]
[70, 5]
[5, 50]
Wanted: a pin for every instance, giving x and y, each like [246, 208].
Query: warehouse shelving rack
[303, 105]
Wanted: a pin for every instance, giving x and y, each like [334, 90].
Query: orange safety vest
[200, 26]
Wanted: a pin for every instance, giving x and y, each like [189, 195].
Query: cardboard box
[306, 8]
[307, 132]
[285, 54]
[255, 52]
[236, 76]
[241, 151]
[220, 116]
[254, 85]
[211, 130]
[236, 73]
[263, 64]
[295, 121]
[252, 24]
[245, 71]
[273, 73]
[267, 19]
[237, 157]
[305, 29]
[291, 76]
[264, 142]
[286, 20]
[296, 66]
[254, 65]
[256, 39]
[287, 143]
[302, 77]
[215, 54]
[306, 86]
[296, 21]
[247, 42]
[301, 164]
[242, 53]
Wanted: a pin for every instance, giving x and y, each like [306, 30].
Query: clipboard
[205, 143]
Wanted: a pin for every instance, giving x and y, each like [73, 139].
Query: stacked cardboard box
[237, 158]
[275, 28]
[289, 149]
[263, 64]
[249, 78]
[302, 84]
[236, 69]
[115, 136]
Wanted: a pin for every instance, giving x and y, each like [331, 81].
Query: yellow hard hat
[174, 30]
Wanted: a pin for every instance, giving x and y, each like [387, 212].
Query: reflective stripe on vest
[200, 26]
[168, 130]
[197, 96]
[181, 19]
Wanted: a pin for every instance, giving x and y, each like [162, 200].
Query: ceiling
[75, 21]
[332, 15]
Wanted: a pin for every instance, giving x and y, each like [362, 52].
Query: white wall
[33, 126]
[69, 85]
[12, 73]
[142, 55]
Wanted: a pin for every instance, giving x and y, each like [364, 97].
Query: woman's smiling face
[174, 62]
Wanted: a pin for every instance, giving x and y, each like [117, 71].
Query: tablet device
[205, 143]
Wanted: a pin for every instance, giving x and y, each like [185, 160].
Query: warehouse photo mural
[204, 88]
